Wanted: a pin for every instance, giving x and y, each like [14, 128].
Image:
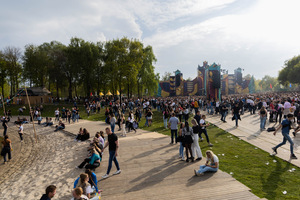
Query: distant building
[37, 95]
[208, 83]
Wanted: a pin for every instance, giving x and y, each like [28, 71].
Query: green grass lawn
[267, 176]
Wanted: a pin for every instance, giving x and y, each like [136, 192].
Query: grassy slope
[244, 161]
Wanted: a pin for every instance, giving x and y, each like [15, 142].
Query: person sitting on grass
[92, 162]
[211, 165]
[60, 126]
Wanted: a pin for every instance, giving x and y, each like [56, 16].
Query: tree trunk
[70, 88]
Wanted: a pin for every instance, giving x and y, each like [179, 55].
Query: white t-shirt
[216, 160]
[21, 129]
[83, 197]
[89, 189]
[202, 121]
[57, 112]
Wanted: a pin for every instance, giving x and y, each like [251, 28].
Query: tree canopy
[290, 72]
[82, 67]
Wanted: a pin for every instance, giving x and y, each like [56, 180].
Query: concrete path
[151, 169]
[249, 131]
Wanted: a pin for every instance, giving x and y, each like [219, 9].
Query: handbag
[179, 139]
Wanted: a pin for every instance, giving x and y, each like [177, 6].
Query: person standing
[236, 114]
[223, 111]
[286, 126]
[173, 124]
[195, 146]
[6, 148]
[5, 126]
[197, 117]
[187, 133]
[112, 122]
[50, 192]
[263, 118]
[113, 144]
[56, 114]
[20, 131]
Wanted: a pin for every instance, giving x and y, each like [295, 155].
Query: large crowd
[182, 115]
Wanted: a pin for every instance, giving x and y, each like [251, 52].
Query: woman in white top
[84, 184]
[211, 165]
[195, 146]
[78, 194]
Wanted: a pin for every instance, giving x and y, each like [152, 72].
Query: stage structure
[209, 83]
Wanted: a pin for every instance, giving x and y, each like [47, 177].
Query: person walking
[286, 127]
[263, 118]
[223, 111]
[113, 144]
[173, 124]
[195, 146]
[203, 126]
[123, 125]
[6, 148]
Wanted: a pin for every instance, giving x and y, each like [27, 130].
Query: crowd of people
[182, 115]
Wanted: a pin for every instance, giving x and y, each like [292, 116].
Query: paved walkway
[249, 131]
[151, 170]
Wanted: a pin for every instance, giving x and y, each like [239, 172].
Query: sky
[255, 35]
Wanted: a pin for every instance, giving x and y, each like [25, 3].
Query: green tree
[12, 56]
[3, 72]
[290, 72]
[146, 78]
[166, 76]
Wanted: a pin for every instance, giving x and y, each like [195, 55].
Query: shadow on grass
[270, 185]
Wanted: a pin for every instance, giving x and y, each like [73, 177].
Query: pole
[31, 114]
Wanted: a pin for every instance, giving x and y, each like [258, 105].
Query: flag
[91, 94]
[290, 85]
[270, 85]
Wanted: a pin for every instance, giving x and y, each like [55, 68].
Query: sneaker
[210, 144]
[201, 139]
[182, 159]
[293, 156]
[198, 159]
[105, 176]
[196, 173]
[294, 134]
[117, 172]
[275, 150]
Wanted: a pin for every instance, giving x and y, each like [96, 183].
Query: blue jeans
[204, 168]
[112, 126]
[263, 122]
[146, 123]
[112, 157]
[166, 122]
[181, 148]
[173, 132]
[236, 119]
[224, 114]
[205, 133]
[286, 137]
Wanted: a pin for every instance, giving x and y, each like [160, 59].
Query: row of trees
[291, 71]
[118, 65]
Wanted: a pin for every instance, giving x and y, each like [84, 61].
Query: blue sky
[256, 35]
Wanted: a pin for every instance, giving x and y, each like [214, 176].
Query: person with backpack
[285, 127]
